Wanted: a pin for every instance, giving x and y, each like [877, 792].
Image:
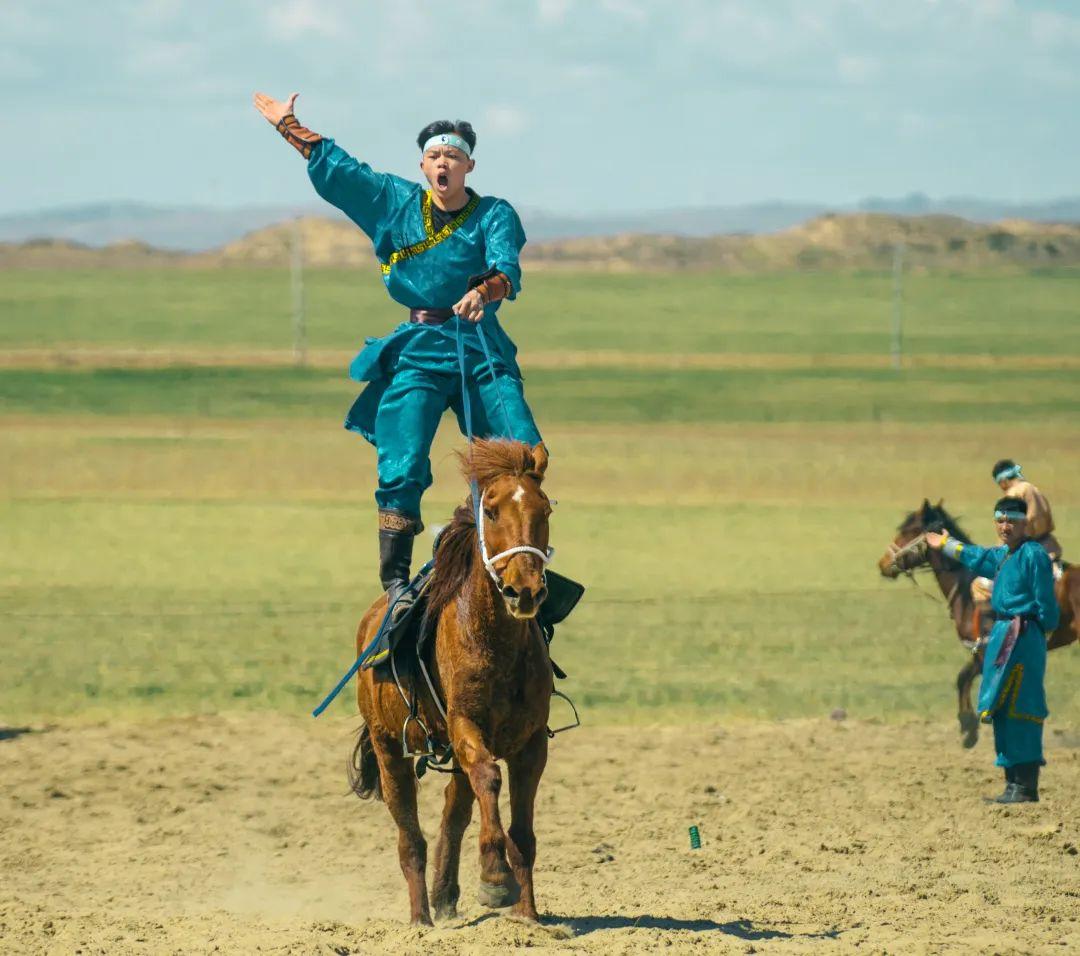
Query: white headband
[448, 139]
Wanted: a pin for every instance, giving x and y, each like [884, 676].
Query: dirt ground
[234, 834]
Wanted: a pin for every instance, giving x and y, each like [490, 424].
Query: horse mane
[929, 516]
[488, 459]
[456, 551]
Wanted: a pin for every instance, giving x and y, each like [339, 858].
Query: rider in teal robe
[1012, 695]
[450, 268]
[413, 372]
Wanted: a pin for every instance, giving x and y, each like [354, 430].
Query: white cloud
[157, 12]
[404, 36]
[156, 57]
[505, 120]
[297, 18]
[989, 9]
[856, 69]
[553, 11]
[1050, 29]
[627, 9]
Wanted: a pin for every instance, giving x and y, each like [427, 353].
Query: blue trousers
[423, 380]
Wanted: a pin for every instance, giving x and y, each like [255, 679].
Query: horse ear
[925, 505]
[940, 503]
[540, 462]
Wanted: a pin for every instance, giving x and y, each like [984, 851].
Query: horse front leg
[457, 812]
[965, 680]
[399, 792]
[498, 887]
[526, 767]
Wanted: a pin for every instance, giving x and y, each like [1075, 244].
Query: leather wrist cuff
[493, 285]
[399, 523]
[495, 288]
[300, 137]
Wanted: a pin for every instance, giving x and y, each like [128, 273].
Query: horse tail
[363, 767]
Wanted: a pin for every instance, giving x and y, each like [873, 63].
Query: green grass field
[798, 313]
[181, 540]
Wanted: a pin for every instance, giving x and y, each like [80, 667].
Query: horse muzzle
[524, 603]
[887, 567]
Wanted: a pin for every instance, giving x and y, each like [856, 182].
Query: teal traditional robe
[1012, 695]
[412, 373]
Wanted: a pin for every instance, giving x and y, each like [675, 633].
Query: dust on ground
[235, 834]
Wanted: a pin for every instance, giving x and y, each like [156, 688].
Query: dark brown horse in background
[909, 552]
[490, 665]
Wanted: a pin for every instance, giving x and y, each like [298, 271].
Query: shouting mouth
[442, 180]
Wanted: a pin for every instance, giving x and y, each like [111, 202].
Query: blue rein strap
[466, 410]
[466, 413]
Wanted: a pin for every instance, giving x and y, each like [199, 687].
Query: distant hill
[832, 242]
[196, 229]
[829, 242]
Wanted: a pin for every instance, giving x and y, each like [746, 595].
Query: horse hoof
[969, 727]
[526, 915]
[498, 895]
[422, 920]
[445, 911]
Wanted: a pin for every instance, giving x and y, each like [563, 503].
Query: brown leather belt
[430, 316]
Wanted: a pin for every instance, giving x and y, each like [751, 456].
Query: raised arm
[280, 114]
[364, 195]
[983, 561]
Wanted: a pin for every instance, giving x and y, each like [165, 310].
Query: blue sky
[580, 105]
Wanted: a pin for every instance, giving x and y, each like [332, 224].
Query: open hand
[470, 306]
[936, 540]
[274, 110]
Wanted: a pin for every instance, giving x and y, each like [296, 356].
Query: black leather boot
[1025, 785]
[396, 534]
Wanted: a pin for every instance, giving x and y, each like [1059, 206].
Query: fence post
[897, 347]
[296, 273]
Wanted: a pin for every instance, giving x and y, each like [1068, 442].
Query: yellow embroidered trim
[425, 211]
[433, 238]
[1011, 688]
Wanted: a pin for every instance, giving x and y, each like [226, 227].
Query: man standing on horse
[450, 257]
[1012, 695]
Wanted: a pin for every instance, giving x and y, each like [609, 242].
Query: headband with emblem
[448, 139]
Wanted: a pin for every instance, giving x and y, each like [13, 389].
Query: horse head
[512, 519]
[908, 550]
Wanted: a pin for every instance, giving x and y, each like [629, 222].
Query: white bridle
[489, 560]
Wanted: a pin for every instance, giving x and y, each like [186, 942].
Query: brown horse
[908, 552]
[492, 670]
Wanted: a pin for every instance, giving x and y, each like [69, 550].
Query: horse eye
[491, 514]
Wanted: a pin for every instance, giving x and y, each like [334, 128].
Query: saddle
[411, 630]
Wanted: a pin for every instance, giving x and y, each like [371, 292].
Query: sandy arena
[236, 835]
